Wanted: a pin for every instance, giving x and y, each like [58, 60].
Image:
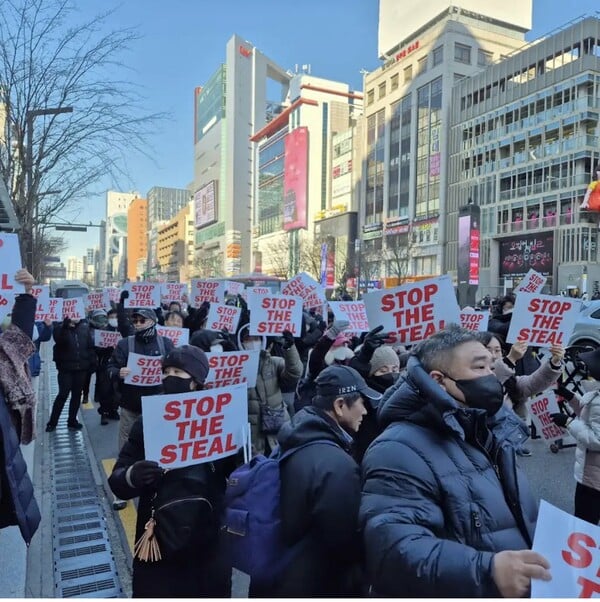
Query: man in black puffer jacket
[445, 510]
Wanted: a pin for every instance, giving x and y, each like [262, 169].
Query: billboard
[295, 179]
[205, 203]
[519, 254]
[468, 245]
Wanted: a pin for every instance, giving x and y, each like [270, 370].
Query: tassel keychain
[146, 547]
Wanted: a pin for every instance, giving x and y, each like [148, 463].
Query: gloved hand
[124, 295]
[145, 473]
[336, 329]
[229, 343]
[375, 338]
[242, 303]
[560, 419]
[564, 392]
[288, 339]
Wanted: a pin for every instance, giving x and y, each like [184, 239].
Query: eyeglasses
[139, 320]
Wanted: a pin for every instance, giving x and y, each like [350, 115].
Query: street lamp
[32, 203]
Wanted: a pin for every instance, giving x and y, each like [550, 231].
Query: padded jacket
[440, 495]
[74, 347]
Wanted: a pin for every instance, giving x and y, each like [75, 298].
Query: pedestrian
[42, 332]
[445, 509]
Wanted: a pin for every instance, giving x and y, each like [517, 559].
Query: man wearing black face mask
[443, 502]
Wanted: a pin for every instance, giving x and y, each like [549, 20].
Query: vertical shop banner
[114, 293]
[74, 309]
[531, 283]
[212, 291]
[42, 293]
[540, 408]
[106, 339]
[173, 291]
[232, 368]
[475, 320]
[272, 314]
[330, 269]
[179, 336]
[302, 285]
[223, 317]
[572, 548]
[196, 427]
[353, 312]
[543, 320]
[413, 312]
[142, 294]
[519, 254]
[146, 370]
[97, 301]
[295, 179]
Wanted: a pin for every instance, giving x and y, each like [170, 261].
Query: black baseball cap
[146, 313]
[340, 380]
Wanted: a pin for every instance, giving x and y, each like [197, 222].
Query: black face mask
[147, 334]
[483, 392]
[175, 384]
[383, 382]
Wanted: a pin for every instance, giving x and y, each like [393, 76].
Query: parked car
[587, 326]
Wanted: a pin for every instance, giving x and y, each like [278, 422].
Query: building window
[371, 96]
[394, 82]
[422, 65]
[382, 87]
[484, 58]
[438, 55]
[408, 74]
[462, 53]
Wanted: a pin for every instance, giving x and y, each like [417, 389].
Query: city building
[524, 145]
[75, 268]
[137, 237]
[407, 105]
[175, 247]
[239, 99]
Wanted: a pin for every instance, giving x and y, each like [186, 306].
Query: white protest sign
[97, 301]
[234, 288]
[55, 309]
[173, 291]
[212, 291]
[543, 320]
[42, 293]
[10, 260]
[223, 317]
[114, 293]
[302, 285]
[179, 336]
[272, 314]
[106, 338]
[533, 282]
[195, 427]
[73, 308]
[146, 370]
[540, 408]
[475, 320]
[142, 294]
[353, 312]
[232, 368]
[413, 312]
[572, 547]
[252, 293]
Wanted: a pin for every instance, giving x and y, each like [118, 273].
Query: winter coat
[131, 395]
[272, 373]
[528, 385]
[74, 348]
[320, 498]
[441, 495]
[35, 361]
[585, 429]
[185, 576]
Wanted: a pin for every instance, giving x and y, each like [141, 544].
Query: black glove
[145, 473]
[242, 303]
[560, 419]
[375, 338]
[229, 342]
[124, 295]
[288, 339]
[564, 392]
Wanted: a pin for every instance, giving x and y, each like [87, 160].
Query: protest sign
[195, 427]
[572, 548]
[142, 294]
[533, 282]
[475, 320]
[232, 368]
[55, 310]
[10, 260]
[179, 336]
[223, 317]
[212, 291]
[351, 311]
[173, 291]
[302, 285]
[413, 312]
[42, 293]
[234, 288]
[114, 293]
[73, 308]
[540, 408]
[272, 314]
[146, 370]
[543, 320]
[106, 338]
[97, 301]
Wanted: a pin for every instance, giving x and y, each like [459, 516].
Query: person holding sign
[190, 564]
[445, 509]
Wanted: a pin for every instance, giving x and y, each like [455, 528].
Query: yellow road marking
[128, 515]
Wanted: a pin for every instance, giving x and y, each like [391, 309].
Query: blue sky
[183, 42]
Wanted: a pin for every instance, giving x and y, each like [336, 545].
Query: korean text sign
[142, 294]
[353, 312]
[272, 314]
[540, 408]
[195, 427]
[543, 320]
[223, 317]
[146, 370]
[212, 291]
[106, 338]
[232, 368]
[475, 320]
[533, 282]
[179, 336]
[413, 312]
[73, 308]
[572, 547]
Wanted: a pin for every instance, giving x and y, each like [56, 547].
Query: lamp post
[33, 200]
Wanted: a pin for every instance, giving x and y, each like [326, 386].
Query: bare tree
[49, 62]
[399, 250]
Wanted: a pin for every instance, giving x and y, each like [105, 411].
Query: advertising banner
[413, 312]
[205, 204]
[540, 408]
[295, 179]
[179, 336]
[97, 301]
[519, 254]
[468, 246]
[223, 317]
[212, 291]
[272, 314]
[196, 427]
[532, 283]
[73, 308]
[142, 294]
[232, 368]
[146, 370]
[173, 291]
[106, 338]
[353, 312]
[475, 320]
[543, 320]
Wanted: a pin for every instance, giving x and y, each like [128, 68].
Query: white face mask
[113, 322]
[218, 348]
[253, 345]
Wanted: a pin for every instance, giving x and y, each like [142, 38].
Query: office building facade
[115, 259]
[175, 247]
[137, 237]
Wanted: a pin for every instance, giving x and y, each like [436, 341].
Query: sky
[183, 42]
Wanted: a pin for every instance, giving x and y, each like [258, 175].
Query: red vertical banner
[295, 179]
[330, 269]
